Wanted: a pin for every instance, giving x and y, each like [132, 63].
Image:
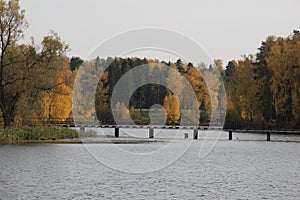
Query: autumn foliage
[36, 82]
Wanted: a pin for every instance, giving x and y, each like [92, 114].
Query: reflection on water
[233, 170]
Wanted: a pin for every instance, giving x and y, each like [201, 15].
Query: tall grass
[19, 135]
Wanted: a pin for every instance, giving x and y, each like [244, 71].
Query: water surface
[247, 169]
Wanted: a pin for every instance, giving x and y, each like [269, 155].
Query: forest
[36, 81]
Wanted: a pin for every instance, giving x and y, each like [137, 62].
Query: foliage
[75, 63]
[149, 94]
[172, 108]
[19, 135]
[265, 91]
[12, 25]
[31, 73]
[36, 82]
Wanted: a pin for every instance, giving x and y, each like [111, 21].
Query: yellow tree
[246, 89]
[61, 98]
[296, 76]
[12, 25]
[121, 113]
[199, 87]
[51, 99]
[172, 108]
[284, 63]
[27, 81]
[280, 63]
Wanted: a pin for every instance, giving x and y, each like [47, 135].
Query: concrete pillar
[117, 132]
[151, 133]
[186, 135]
[195, 134]
[230, 135]
[268, 136]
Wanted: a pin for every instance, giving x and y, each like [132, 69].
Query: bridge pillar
[268, 136]
[117, 132]
[186, 135]
[230, 135]
[195, 134]
[151, 133]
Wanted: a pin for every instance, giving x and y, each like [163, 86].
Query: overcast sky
[225, 28]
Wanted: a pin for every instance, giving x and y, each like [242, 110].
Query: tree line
[36, 82]
[145, 96]
[263, 90]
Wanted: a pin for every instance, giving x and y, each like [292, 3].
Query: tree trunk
[7, 119]
[1, 84]
[4, 113]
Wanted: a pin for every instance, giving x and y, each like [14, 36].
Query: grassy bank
[20, 135]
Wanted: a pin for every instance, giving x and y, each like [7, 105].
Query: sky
[226, 29]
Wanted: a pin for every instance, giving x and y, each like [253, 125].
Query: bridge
[91, 123]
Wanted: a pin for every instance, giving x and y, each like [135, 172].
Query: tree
[233, 106]
[172, 108]
[262, 75]
[175, 80]
[196, 81]
[246, 90]
[23, 67]
[283, 62]
[102, 105]
[296, 75]
[75, 63]
[180, 66]
[12, 25]
[121, 113]
[59, 99]
[24, 80]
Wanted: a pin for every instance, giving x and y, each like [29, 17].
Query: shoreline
[69, 136]
[94, 140]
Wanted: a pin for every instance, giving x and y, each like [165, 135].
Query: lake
[245, 168]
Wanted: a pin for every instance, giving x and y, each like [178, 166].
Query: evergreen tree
[75, 63]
